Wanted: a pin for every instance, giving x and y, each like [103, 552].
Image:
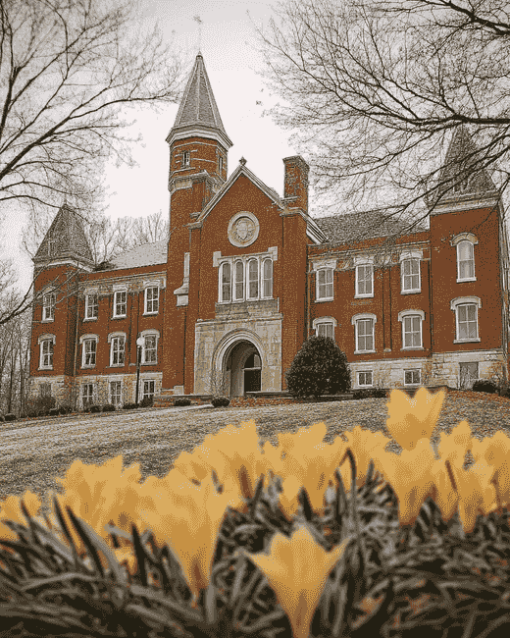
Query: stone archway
[243, 368]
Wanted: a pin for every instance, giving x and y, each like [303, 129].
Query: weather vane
[198, 19]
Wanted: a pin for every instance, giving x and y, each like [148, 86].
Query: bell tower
[199, 147]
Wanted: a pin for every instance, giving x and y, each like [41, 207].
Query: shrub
[54, 412]
[220, 402]
[484, 385]
[182, 402]
[108, 407]
[65, 409]
[360, 394]
[95, 409]
[33, 413]
[129, 406]
[10, 417]
[147, 402]
[2, 418]
[22, 415]
[379, 393]
[320, 367]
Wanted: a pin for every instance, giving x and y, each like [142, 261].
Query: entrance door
[244, 364]
[252, 373]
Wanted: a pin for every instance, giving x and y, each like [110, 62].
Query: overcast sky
[229, 46]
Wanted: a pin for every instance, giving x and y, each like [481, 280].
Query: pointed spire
[198, 112]
[64, 240]
[460, 175]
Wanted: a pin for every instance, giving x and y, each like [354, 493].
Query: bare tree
[70, 70]
[374, 91]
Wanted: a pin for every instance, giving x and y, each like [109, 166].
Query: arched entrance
[243, 367]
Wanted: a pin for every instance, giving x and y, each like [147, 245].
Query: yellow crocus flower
[362, 443]
[188, 518]
[10, 510]
[413, 419]
[496, 451]
[297, 569]
[476, 492]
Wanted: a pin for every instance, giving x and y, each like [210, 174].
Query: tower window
[186, 159]
[220, 165]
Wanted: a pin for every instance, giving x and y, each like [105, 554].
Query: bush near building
[320, 367]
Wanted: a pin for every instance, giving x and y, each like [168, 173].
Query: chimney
[296, 183]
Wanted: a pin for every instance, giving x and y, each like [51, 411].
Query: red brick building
[248, 275]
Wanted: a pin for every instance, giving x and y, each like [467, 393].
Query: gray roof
[198, 108]
[68, 240]
[343, 229]
[145, 255]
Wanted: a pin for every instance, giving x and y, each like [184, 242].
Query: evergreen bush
[95, 409]
[2, 418]
[181, 402]
[54, 411]
[147, 402]
[485, 385]
[10, 417]
[108, 407]
[220, 402]
[320, 367]
[129, 406]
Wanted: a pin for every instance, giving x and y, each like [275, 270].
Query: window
[411, 326]
[91, 306]
[149, 389]
[247, 278]
[220, 165]
[364, 325]
[410, 270]
[152, 300]
[325, 284]
[253, 279]
[325, 326]
[239, 281]
[120, 303]
[468, 372]
[49, 300]
[412, 377]
[150, 349]
[267, 279]
[45, 390]
[186, 159]
[89, 353]
[466, 318]
[46, 344]
[465, 261]
[51, 246]
[365, 378]
[117, 351]
[87, 394]
[365, 281]
[116, 393]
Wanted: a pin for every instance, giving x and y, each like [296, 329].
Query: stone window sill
[410, 292]
[364, 351]
[467, 340]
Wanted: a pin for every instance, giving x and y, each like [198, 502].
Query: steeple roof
[198, 112]
[64, 240]
[461, 175]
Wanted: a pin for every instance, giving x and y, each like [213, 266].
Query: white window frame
[115, 302]
[143, 393]
[265, 280]
[220, 165]
[402, 316]
[455, 304]
[252, 260]
[324, 321]
[414, 257]
[186, 159]
[457, 242]
[365, 385]
[236, 280]
[144, 335]
[153, 301]
[83, 341]
[82, 393]
[48, 306]
[364, 295]
[89, 306]
[246, 260]
[110, 395]
[325, 290]
[412, 371]
[46, 338]
[363, 317]
[112, 339]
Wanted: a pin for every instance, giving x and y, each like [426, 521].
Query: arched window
[253, 361]
[268, 278]
[226, 285]
[253, 279]
[239, 281]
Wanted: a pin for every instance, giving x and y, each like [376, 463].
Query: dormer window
[51, 246]
[186, 159]
[49, 300]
